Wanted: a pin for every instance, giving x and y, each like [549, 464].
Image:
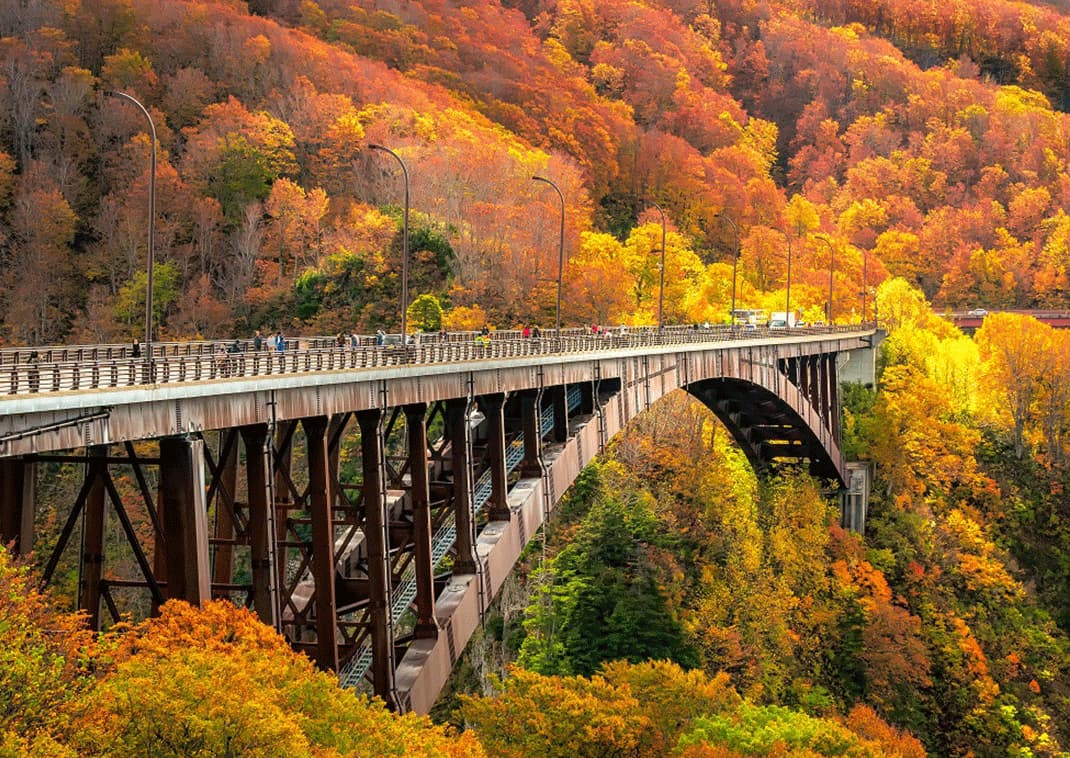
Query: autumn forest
[910, 158]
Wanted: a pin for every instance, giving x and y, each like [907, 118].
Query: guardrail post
[420, 496]
[319, 507]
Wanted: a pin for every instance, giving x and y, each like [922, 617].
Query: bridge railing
[96, 370]
[10, 356]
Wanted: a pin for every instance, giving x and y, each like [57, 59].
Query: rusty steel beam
[834, 385]
[92, 564]
[587, 397]
[826, 389]
[281, 488]
[185, 518]
[801, 374]
[531, 465]
[460, 437]
[223, 487]
[265, 598]
[376, 521]
[559, 402]
[319, 508]
[815, 384]
[493, 407]
[335, 428]
[420, 496]
[18, 479]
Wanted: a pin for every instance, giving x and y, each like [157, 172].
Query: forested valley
[916, 153]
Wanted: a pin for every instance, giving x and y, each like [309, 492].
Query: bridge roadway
[381, 576]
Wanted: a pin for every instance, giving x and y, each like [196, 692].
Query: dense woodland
[921, 140]
[925, 145]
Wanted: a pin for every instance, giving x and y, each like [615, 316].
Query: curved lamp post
[735, 264]
[661, 281]
[560, 249]
[832, 264]
[787, 298]
[152, 224]
[404, 241]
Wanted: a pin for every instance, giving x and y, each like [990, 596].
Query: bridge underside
[768, 430]
[373, 524]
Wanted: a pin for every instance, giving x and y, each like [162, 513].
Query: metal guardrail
[80, 368]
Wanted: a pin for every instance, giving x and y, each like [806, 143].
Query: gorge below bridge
[368, 501]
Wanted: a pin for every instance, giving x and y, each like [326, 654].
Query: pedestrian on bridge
[280, 342]
[258, 341]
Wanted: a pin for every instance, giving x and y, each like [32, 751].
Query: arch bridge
[366, 500]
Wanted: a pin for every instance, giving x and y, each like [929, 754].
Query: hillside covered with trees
[923, 142]
[924, 145]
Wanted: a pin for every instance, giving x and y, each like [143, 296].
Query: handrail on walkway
[80, 368]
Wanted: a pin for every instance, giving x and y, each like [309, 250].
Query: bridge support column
[420, 495]
[226, 485]
[813, 383]
[834, 397]
[531, 465]
[587, 398]
[334, 452]
[559, 402]
[319, 507]
[185, 519]
[261, 524]
[461, 465]
[281, 458]
[376, 521]
[18, 479]
[802, 375]
[825, 399]
[493, 407]
[90, 589]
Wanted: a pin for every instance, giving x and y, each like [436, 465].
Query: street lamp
[661, 283]
[404, 241]
[832, 263]
[735, 264]
[152, 225]
[787, 300]
[560, 250]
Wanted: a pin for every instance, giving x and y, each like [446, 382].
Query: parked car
[778, 323]
[977, 312]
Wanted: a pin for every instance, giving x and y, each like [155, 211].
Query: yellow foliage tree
[215, 681]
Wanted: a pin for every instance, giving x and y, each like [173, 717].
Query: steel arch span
[355, 572]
